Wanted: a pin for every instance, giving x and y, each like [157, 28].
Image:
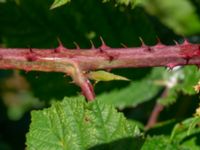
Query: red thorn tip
[158, 40]
[177, 44]
[159, 43]
[186, 42]
[171, 66]
[142, 42]
[92, 44]
[60, 47]
[103, 45]
[147, 48]
[122, 44]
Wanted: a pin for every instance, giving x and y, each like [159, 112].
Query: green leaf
[58, 3]
[170, 97]
[159, 143]
[170, 80]
[185, 128]
[192, 143]
[162, 128]
[180, 80]
[74, 124]
[184, 136]
[187, 133]
[191, 78]
[104, 76]
[179, 15]
[134, 93]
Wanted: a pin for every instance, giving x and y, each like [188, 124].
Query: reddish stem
[77, 62]
[156, 112]
[154, 115]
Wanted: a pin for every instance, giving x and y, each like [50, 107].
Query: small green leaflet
[104, 76]
[159, 143]
[58, 3]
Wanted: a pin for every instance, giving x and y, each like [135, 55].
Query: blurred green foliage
[179, 15]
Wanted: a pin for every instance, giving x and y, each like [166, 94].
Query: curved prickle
[103, 46]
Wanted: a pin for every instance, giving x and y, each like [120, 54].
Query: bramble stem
[78, 62]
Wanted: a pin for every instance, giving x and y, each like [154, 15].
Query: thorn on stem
[142, 42]
[159, 43]
[60, 47]
[77, 46]
[59, 42]
[122, 44]
[92, 45]
[177, 44]
[170, 66]
[146, 48]
[103, 46]
[186, 42]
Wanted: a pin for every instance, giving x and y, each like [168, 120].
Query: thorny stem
[77, 63]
